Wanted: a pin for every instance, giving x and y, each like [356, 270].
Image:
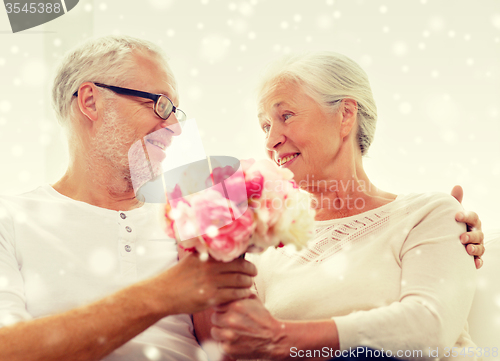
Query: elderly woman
[385, 271]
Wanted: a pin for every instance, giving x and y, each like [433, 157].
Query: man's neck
[100, 188]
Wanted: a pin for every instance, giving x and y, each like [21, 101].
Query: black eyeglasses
[163, 106]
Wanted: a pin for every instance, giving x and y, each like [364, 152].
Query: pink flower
[219, 222]
[231, 185]
[211, 210]
[184, 217]
[208, 215]
[232, 240]
[169, 222]
[176, 196]
[220, 174]
[255, 185]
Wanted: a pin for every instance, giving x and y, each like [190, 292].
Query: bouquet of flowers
[248, 209]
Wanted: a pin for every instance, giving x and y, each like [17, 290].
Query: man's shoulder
[16, 210]
[41, 193]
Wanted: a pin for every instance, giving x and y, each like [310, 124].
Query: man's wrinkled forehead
[171, 92]
[170, 83]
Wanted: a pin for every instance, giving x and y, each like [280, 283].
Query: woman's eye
[286, 116]
[266, 128]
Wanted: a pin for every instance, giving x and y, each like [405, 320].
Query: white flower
[296, 224]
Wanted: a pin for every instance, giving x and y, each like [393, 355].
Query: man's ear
[87, 99]
[349, 109]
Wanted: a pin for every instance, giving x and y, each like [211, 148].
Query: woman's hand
[245, 329]
[473, 239]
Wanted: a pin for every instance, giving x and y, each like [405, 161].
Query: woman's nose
[275, 138]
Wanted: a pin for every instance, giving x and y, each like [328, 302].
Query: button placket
[126, 244]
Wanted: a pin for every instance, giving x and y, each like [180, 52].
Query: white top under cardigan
[57, 254]
[396, 277]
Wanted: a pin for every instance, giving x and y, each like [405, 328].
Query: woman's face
[300, 134]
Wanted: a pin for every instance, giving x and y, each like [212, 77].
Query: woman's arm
[438, 280]
[437, 288]
[202, 325]
[245, 329]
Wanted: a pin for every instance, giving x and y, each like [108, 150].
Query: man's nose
[172, 124]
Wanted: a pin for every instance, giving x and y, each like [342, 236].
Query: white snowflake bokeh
[152, 353]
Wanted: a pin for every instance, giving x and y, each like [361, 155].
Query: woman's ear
[87, 97]
[349, 109]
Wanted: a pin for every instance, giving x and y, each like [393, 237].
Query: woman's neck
[349, 193]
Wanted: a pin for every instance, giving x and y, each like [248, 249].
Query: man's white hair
[105, 60]
[328, 77]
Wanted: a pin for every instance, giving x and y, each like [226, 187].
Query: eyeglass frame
[142, 94]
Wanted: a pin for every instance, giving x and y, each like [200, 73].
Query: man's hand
[189, 286]
[473, 239]
[193, 285]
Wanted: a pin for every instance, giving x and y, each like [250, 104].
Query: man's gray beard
[109, 156]
[141, 169]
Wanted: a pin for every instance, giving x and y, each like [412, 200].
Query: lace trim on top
[331, 236]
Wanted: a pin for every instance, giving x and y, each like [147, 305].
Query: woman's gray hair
[328, 77]
[105, 60]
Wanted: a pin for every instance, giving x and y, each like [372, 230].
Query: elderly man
[83, 264]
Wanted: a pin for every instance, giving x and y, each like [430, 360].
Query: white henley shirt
[57, 254]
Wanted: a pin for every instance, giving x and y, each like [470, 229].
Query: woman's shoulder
[429, 200]
[430, 208]
[404, 205]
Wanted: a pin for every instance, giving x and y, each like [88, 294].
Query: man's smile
[157, 143]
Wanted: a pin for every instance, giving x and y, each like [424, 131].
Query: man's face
[131, 138]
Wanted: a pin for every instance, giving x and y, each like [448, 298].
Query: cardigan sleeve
[437, 288]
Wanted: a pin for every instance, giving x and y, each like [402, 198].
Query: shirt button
[128, 248]
[123, 215]
[128, 229]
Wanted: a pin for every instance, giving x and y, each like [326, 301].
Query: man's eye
[266, 128]
[286, 116]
